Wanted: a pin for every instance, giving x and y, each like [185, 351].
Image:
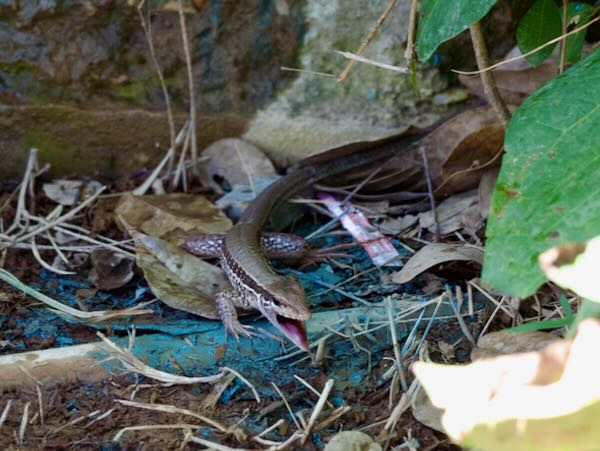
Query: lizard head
[286, 309]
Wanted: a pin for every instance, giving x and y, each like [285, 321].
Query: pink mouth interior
[294, 330]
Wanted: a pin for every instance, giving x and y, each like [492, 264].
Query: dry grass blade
[133, 364]
[245, 381]
[5, 412]
[172, 409]
[150, 427]
[68, 215]
[23, 424]
[144, 187]
[98, 316]
[210, 445]
[337, 413]
[403, 404]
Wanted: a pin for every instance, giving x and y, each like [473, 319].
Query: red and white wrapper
[379, 248]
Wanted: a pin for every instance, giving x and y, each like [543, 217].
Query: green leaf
[541, 24]
[540, 325]
[578, 14]
[567, 310]
[441, 20]
[547, 191]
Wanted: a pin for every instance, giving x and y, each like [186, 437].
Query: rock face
[66, 63]
[318, 112]
[77, 80]
[90, 52]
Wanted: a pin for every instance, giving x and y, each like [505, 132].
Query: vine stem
[487, 78]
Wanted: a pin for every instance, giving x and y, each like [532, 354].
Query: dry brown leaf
[503, 342]
[452, 212]
[514, 85]
[237, 161]
[395, 226]
[425, 412]
[172, 216]
[110, 270]
[177, 278]
[434, 254]
[440, 143]
[480, 149]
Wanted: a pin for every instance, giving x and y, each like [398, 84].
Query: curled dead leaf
[434, 254]
[237, 161]
[172, 216]
[471, 157]
[110, 270]
[451, 213]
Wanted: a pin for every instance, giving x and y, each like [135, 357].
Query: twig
[396, 347]
[5, 412]
[362, 59]
[31, 162]
[245, 381]
[141, 190]
[368, 39]
[430, 194]
[307, 71]
[409, 53]
[531, 52]
[23, 424]
[60, 219]
[317, 410]
[180, 172]
[287, 405]
[42, 262]
[190, 75]
[563, 43]
[487, 78]
[209, 445]
[147, 27]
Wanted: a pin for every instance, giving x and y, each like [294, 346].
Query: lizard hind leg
[226, 301]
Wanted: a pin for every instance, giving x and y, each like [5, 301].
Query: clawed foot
[236, 329]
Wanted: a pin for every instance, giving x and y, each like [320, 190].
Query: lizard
[255, 285]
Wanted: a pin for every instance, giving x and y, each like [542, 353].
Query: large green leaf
[441, 20]
[541, 24]
[548, 190]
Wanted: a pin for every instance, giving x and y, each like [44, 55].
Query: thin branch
[487, 78]
[362, 59]
[409, 53]
[147, 27]
[368, 39]
[431, 195]
[531, 52]
[190, 75]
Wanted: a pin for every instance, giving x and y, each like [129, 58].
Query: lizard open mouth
[293, 329]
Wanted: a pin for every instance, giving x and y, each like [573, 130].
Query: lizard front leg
[226, 302]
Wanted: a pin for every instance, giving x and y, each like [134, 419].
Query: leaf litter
[352, 324]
